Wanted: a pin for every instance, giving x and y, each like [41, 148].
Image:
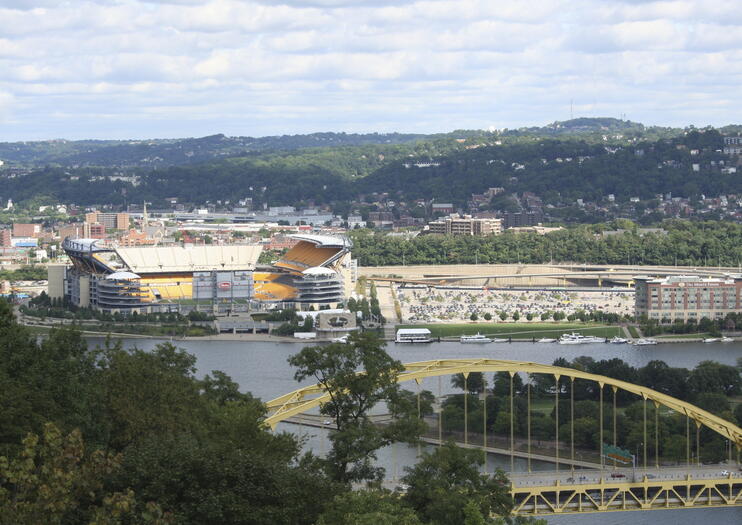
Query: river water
[261, 368]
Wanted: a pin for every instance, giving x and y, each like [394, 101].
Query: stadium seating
[305, 255]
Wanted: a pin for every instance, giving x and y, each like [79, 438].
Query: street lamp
[634, 460]
[438, 409]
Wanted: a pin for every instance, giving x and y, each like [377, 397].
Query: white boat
[645, 342]
[579, 339]
[474, 339]
[500, 340]
[619, 340]
[343, 339]
[712, 340]
[546, 340]
[413, 335]
[726, 339]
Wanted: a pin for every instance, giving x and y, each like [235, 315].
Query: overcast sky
[176, 68]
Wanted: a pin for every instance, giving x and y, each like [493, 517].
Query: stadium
[220, 279]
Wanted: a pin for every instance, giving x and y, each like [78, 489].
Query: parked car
[617, 475]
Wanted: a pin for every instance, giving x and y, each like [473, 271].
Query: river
[261, 368]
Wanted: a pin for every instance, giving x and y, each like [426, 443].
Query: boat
[645, 342]
[619, 340]
[500, 340]
[413, 335]
[474, 339]
[579, 339]
[546, 340]
[712, 340]
[726, 339]
[343, 339]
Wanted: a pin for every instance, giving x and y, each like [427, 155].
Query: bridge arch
[309, 397]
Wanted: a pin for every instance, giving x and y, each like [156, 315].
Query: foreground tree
[53, 480]
[369, 507]
[446, 487]
[358, 376]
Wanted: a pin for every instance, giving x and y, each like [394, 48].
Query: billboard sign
[618, 454]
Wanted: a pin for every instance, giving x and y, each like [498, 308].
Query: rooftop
[191, 258]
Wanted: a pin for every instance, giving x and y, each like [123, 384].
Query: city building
[26, 230]
[520, 218]
[686, 297]
[443, 208]
[5, 239]
[111, 221]
[733, 145]
[466, 225]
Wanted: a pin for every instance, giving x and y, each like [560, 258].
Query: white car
[724, 472]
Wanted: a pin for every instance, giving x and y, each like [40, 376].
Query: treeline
[710, 386]
[560, 170]
[732, 321]
[24, 273]
[683, 243]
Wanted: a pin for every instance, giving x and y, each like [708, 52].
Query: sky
[127, 69]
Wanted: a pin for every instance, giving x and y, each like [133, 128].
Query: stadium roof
[122, 276]
[323, 240]
[191, 258]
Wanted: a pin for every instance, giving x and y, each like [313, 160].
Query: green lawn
[634, 332]
[694, 335]
[518, 330]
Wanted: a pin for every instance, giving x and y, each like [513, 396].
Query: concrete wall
[55, 288]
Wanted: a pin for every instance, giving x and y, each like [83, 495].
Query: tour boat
[413, 335]
[475, 339]
[645, 342]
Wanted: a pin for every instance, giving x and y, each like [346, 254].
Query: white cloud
[195, 67]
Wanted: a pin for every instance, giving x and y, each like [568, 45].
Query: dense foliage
[709, 385]
[681, 243]
[109, 436]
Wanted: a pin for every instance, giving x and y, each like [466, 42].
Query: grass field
[694, 335]
[518, 330]
[633, 331]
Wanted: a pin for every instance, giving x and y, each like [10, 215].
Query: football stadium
[315, 272]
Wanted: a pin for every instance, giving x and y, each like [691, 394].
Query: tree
[447, 481]
[474, 316]
[487, 316]
[352, 395]
[54, 481]
[713, 377]
[474, 382]
[368, 507]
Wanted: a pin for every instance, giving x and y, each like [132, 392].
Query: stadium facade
[317, 271]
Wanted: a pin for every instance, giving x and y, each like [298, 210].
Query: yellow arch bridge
[641, 487]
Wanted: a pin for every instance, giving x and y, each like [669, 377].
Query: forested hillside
[559, 170]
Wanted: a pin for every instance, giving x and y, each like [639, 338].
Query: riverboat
[413, 335]
[579, 339]
[475, 339]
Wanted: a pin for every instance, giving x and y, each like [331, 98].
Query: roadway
[623, 474]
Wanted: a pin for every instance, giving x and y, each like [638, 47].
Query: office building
[686, 297]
